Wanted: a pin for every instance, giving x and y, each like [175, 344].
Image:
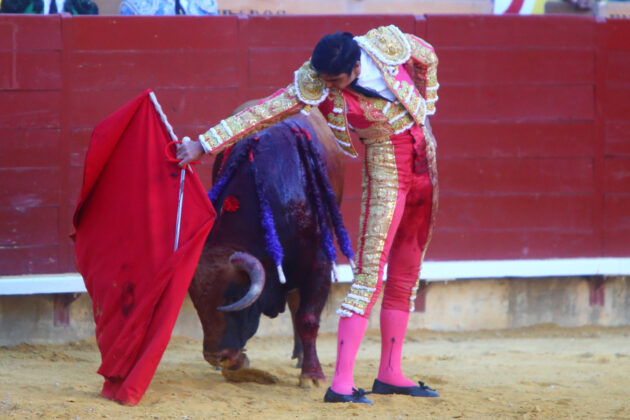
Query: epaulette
[386, 43]
[309, 87]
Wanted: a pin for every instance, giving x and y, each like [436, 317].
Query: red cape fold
[124, 235]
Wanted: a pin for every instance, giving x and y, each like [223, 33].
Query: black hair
[20, 6]
[81, 7]
[336, 54]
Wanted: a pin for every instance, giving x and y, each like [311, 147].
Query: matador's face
[343, 80]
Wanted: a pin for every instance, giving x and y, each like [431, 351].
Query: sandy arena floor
[544, 372]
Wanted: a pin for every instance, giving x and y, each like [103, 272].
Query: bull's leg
[313, 294]
[293, 299]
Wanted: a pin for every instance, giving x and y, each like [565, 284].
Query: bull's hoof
[309, 381]
[249, 375]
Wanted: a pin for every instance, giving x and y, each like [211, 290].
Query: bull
[275, 176]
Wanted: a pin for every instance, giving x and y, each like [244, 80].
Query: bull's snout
[227, 359]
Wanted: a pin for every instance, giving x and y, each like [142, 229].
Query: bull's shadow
[276, 196]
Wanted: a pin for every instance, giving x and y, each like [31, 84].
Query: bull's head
[224, 291]
[256, 273]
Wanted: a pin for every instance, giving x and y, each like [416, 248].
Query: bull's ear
[256, 273]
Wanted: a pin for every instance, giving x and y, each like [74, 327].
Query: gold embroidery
[380, 180]
[382, 186]
[251, 120]
[406, 93]
[338, 122]
[387, 117]
[371, 239]
[310, 88]
[387, 43]
[423, 52]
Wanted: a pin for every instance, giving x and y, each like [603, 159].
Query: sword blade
[182, 178]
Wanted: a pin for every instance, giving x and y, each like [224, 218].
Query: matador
[383, 86]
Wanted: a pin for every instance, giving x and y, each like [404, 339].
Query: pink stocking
[393, 329]
[349, 336]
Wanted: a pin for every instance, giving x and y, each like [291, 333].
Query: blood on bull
[277, 196]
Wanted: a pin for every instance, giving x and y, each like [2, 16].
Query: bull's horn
[256, 273]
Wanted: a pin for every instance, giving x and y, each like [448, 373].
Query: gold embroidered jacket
[415, 88]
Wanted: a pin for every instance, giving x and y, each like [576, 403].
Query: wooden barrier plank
[305, 31]
[274, 67]
[257, 92]
[8, 70]
[28, 227]
[456, 246]
[516, 103]
[29, 260]
[516, 175]
[618, 34]
[182, 106]
[30, 109]
[511, 31]
[104, 70]
[487, 139]
[617, 212]
[30, 32]
[617, 175]
[516, 212]
[197, 106]
[617, 105]
[75, 181]
[132, 33]
[79, 142]
[30, 148]
[64, 223]
[618, 67]
[421, 27]
[618, 138]
[499, 66]
[519, 145]
[616, 243]
[28, 70]
[22, 188]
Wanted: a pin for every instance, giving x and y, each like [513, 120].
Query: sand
[543, 372]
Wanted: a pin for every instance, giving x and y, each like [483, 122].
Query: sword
[182, 179]
[182, 176]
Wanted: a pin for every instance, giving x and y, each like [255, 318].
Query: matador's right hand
[189, 151]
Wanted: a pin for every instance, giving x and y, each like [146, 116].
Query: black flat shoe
[415, 391]
[357, 396]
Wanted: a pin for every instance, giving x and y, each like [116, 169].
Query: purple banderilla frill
[318, 185]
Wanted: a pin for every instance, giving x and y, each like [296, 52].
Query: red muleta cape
[124, 238]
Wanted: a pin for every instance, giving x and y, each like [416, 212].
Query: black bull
[236, 267]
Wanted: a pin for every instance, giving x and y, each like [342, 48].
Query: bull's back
[278, 175]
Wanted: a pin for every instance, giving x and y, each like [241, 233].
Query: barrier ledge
[432, 271]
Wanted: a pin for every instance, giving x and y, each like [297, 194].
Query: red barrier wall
[533, 120]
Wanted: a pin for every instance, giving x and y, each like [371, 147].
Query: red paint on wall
[532, 122]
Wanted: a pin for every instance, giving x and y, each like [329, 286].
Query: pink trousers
[394, 226]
